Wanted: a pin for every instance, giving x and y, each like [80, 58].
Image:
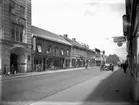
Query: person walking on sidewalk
[5, 70]
[125, 65]
[86, 64]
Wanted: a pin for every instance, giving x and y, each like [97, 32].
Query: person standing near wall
[5, 70]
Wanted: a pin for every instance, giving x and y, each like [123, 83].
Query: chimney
[65, 35]
[74, 39]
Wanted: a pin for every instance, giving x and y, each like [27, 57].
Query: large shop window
[17, 32]
[39, 48]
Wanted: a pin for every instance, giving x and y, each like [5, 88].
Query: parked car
[107, 67]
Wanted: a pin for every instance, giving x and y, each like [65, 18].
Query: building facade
[78, 53]
[15, 35]
[131, 32]
[91, 57]
[98, 57]
[50, 51]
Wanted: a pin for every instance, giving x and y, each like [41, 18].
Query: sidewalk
[23, 75]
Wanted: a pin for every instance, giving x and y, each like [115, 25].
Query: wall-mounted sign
[119, 39]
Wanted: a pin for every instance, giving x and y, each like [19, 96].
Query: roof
[74, 43]
[48, 35]
[91, 50]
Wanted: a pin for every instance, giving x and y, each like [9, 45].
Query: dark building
[131, 32]
[50, 51]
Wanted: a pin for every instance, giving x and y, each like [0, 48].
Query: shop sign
[119, 39]
[119, 43]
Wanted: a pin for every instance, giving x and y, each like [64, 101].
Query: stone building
[50, 51]
[15, 35]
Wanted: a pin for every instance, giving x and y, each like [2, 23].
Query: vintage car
[107, 67]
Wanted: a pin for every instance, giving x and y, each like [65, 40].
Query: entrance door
[13, 61]
[44, 65]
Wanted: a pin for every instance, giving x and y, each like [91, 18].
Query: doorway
[13, 61]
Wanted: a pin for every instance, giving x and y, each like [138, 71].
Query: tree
[112, 59]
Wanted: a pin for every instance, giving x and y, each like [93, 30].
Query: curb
[37, 74]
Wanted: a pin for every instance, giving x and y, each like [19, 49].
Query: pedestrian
[12, 69]
[86, 65]
[5, 70]
[125, 65]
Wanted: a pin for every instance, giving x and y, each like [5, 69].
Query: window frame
[17, 32]
[39, 48]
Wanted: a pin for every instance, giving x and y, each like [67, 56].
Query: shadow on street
[115, 88]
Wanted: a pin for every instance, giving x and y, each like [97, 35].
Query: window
[12, 5]
[49, 49]
[21, 34]
[17, 32]
[56, 50]
[28, 57]
[62, 52]
[39, 48]
[22, 11]
[67, 52]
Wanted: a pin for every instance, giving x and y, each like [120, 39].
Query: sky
[93, 22]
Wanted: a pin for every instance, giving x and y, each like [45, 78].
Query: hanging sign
[119, 43]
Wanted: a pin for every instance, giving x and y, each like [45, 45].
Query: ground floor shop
[44, 62]
[77, 62]
[15, 57]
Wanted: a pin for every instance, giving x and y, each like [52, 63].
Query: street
[30, 89]
[77, 86]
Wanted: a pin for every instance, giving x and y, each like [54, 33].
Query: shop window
[39, 48]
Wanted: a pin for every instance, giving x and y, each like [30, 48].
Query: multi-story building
[98, 58]
[78, 52]
[15, 35]
[131, 32]
[50, 51]
[91, 57]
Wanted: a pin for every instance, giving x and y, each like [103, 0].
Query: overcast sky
[93, 22]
